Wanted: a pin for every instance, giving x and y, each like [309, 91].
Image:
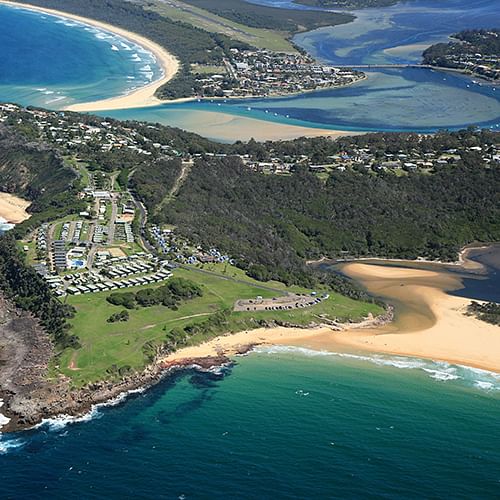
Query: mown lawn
[121, 344]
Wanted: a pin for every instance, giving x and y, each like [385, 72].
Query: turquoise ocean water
[282, 422]
[53, 62]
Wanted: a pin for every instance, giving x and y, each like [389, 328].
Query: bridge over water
[384, 66]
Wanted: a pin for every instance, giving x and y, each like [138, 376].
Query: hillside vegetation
[37, 173]
[260, 16]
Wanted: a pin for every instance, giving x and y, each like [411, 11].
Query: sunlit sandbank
[223, 127]
[429, 323]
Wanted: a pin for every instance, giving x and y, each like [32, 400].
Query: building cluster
[112, 273]
[470, 56]
[261, 73]
[62, 129]
[365, 158]
[166, 241]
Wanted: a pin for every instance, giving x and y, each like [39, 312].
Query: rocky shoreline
[30, 396]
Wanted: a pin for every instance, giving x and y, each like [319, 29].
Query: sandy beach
[13, 208]
[430, 324]
[143, 97]
[226, 127]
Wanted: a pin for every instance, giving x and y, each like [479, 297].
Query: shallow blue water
[389, 100]
[283, 423]
[52, 62]
[61, 62]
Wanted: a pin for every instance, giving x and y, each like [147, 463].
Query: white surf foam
[115, 48]
[440, 371]
[9, 444]
[3, 419]
[61, 421]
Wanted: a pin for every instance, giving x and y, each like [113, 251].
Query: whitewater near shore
[429, 324]
[142, 97]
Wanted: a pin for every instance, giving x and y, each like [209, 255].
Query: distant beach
[13, 208]
[143, 97]
[429, 324]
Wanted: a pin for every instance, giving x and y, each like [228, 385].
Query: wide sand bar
[430, 324]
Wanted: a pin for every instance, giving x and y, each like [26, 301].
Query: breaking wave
[437, 370]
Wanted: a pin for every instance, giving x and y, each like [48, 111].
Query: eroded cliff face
[31, 168]
[25, 353]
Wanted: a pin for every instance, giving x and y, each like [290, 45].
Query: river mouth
[407, 99]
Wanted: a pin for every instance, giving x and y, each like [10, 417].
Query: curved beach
[143, 97]
[430, 324]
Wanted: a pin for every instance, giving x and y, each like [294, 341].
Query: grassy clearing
[199, 69]
[200, 18]
[121, 344]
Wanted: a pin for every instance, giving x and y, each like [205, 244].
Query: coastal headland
[429, 323]
[142, 97]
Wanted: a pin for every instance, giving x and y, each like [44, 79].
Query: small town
[262, 73]
[473, 51]
[111, 245]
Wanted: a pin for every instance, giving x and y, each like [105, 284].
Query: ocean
[53, 62]
[282, 422]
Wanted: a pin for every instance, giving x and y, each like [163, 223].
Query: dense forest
[35, 172]
[260, 16]
[21, 284]
[273, 223]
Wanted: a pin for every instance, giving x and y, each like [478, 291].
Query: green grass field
[257, 37]
[120, 344]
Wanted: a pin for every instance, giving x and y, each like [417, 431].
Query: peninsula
[144, 240]
[475, 52]
[208, 64]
